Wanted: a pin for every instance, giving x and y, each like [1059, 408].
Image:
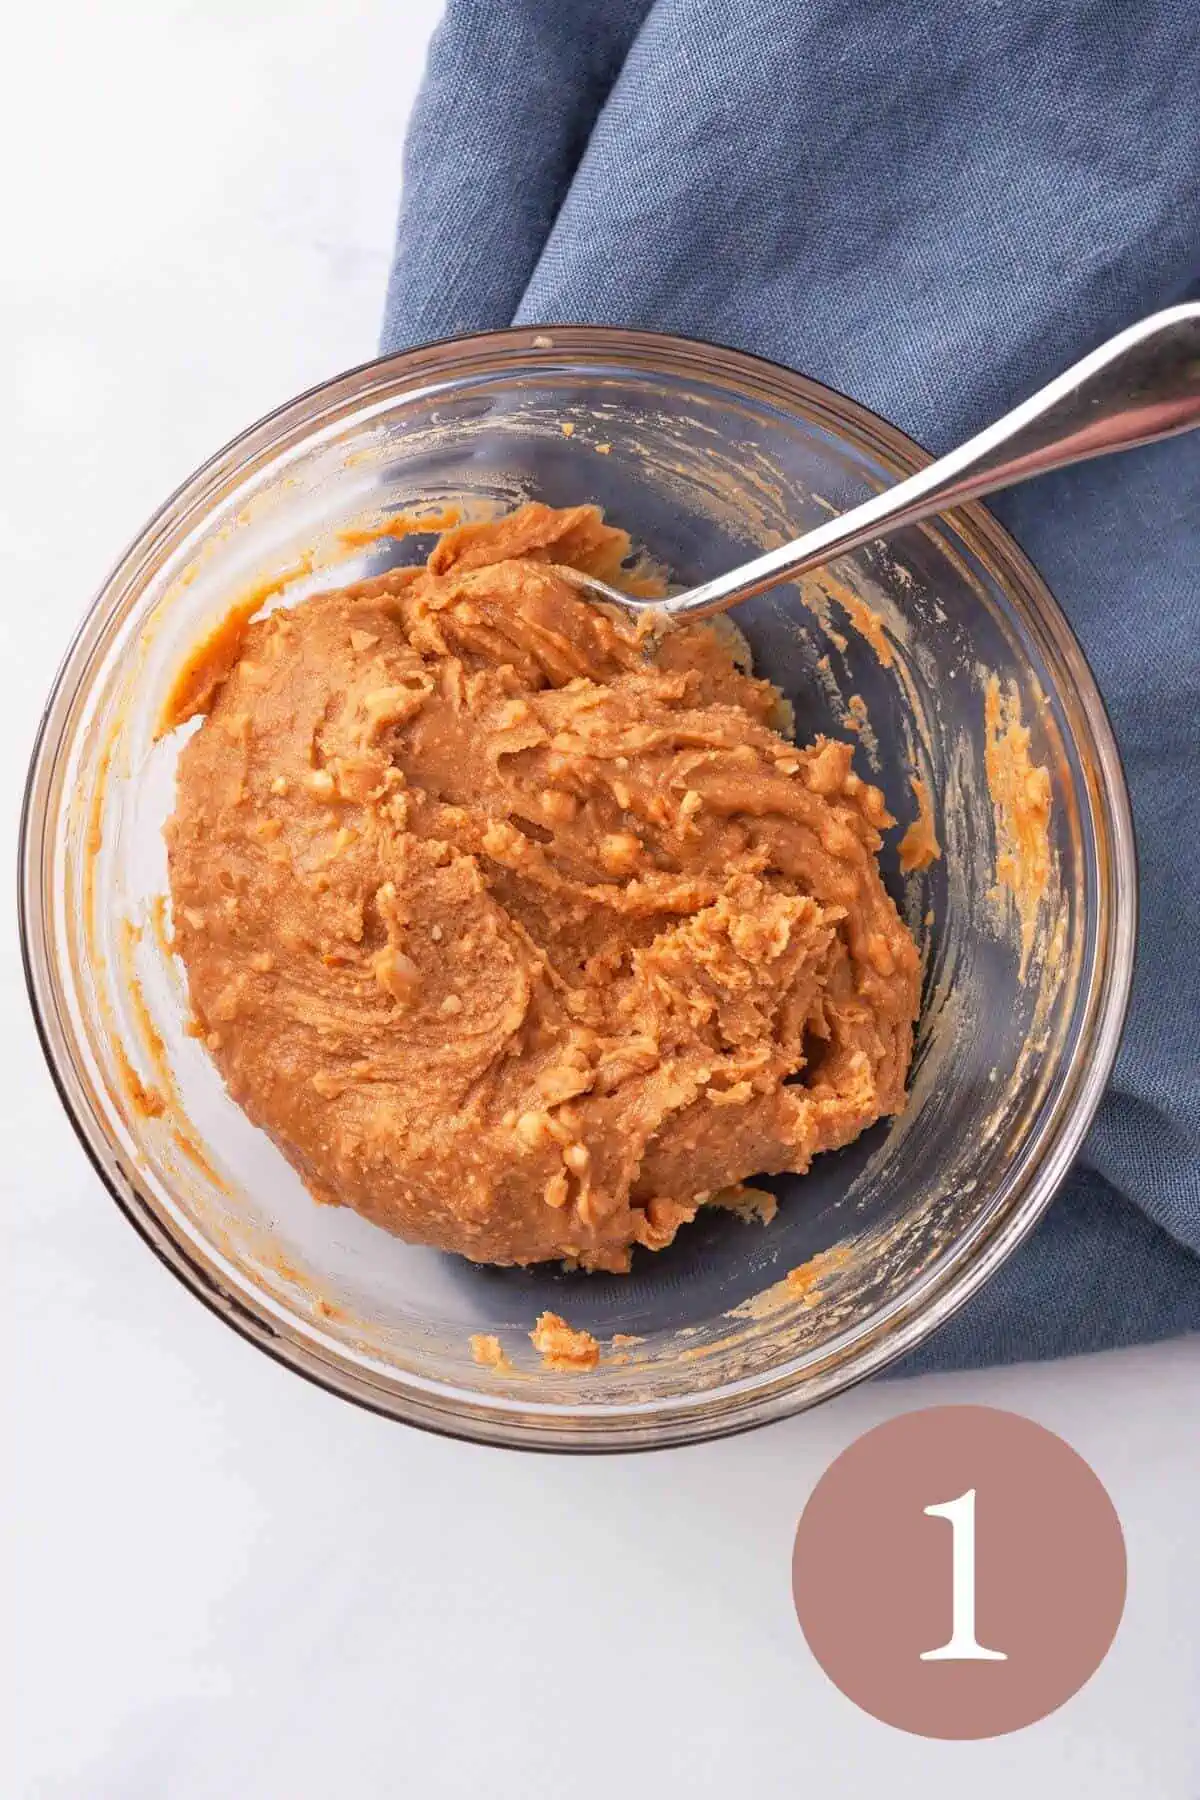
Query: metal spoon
[1142, 385]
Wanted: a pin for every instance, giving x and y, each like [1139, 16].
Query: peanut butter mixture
[561, 1347]
[517, 936]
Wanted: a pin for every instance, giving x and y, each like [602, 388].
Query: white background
[219, 1581]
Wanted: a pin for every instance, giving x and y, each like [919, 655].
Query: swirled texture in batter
[515, 939]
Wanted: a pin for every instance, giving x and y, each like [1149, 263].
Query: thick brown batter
[514, 940]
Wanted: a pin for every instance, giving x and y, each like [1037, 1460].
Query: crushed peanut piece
[562, 1348]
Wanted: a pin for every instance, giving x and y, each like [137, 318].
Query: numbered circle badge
[959, 1572]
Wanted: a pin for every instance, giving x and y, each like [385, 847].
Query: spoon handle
[1141, 385]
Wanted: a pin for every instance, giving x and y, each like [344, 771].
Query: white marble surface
[219, 1581]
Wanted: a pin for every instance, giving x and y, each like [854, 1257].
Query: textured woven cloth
[932, 207]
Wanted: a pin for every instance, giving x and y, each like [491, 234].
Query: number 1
[962, 1646]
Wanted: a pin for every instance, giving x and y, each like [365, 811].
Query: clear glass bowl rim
[938, 1294]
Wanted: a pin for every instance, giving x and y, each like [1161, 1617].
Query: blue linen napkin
[932, 206]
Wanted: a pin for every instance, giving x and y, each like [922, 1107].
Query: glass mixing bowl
[926, 651]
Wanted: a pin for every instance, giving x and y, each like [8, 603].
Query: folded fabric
[932, 208]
